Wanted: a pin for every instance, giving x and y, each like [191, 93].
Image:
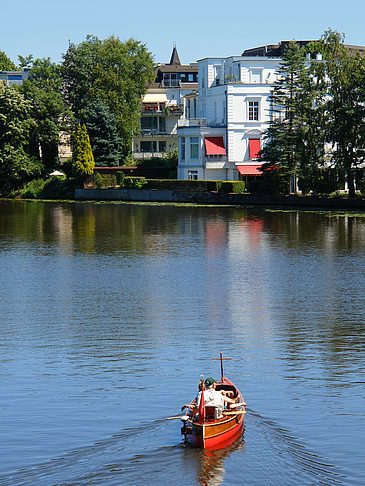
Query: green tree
[6, 64]
[296, 137]
[113, 71]
[102, 129]
[16, 165]
[345, 106]
[82, 156]
[284, 137]
[50, 111]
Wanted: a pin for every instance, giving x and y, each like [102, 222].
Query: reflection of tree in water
[212, 471]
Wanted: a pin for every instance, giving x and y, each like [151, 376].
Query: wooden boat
[205, 431]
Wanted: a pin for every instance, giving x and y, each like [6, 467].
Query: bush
[33, 189]
[134, 182]
[105, 180]
[196, 185]
[54, 188]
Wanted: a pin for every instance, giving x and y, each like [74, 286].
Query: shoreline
[220, 199]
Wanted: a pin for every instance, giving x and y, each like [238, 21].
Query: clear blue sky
[199, 29]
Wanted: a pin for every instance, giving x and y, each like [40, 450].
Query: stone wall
[198, 197]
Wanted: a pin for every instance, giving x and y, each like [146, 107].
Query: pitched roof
[175, 57]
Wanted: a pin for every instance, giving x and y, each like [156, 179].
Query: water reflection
[106, 301]
[212, 471]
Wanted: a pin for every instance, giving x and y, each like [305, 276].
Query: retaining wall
[200, 197]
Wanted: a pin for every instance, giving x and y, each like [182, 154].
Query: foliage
[105, 180]
[82, 157]
[344, 75]
[134, 182]
[317, 103]
[26, 61]
[283, 138]
[50, 112]
[53, 188]
[115, 72]
[6, 64]
[102, 129]
[16, 165]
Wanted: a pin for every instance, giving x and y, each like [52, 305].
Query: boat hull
[216, 434]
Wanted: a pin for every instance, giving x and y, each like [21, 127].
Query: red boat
[205, 430]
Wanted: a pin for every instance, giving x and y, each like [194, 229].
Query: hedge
[106, 180]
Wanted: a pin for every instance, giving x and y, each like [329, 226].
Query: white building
[224, 141]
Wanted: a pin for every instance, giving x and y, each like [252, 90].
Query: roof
[277, 50]
[175, 57]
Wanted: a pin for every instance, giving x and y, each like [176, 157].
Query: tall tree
[82, 156]
[283, 137]
[52, 115]
[6, 64]
[345, 106]
[112, 71]
[16, 165]
[102, 129]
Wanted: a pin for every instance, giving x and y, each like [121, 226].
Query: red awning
[254, 146]
[214, 146]
[249, 169]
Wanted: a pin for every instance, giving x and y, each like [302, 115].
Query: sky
[198, 28]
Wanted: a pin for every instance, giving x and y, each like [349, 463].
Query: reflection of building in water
[247, 249]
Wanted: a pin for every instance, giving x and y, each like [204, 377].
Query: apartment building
[163, 105]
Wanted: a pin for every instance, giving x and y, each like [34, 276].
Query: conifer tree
[82, 156]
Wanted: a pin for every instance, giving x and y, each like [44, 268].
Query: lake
[110, 312]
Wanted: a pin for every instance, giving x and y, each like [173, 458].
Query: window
[256, 76]
[194, 108]
[149, 123]
[171, 80]
[194, 147]
[148, 146]
[162, 146]
[193, 175]
[182, 148]
[253, 110]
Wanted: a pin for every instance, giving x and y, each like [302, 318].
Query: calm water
[109, 313]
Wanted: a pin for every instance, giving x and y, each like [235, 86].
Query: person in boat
[214, 398]
[192, 404]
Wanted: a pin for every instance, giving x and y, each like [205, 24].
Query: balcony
[153, 108]
[215, 161]
[191, 122]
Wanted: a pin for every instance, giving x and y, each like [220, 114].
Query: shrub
[134, 182]
[33, 189]
[120, 178]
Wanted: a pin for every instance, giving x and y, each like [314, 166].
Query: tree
[345, 106]
[283, 138]
[50, 111]
[102, 129]
[114, 72]
[6, 64]
[82, 156]
[296, 137]
[16, 165]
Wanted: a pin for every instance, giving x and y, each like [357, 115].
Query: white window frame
[194, 142]
[253, 110]
[193, 175]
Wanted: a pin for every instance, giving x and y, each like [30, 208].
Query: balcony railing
[154, 108]
[191, 122]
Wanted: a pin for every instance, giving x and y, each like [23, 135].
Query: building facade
[162, 106]
[11, 78]
[224, 141]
